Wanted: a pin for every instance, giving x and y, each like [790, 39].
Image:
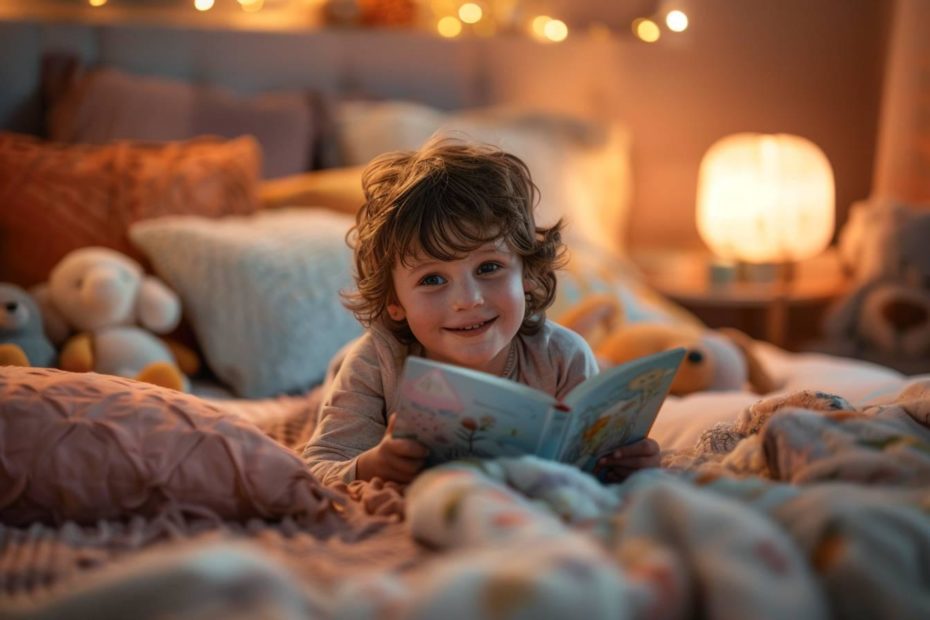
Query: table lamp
[765, 200]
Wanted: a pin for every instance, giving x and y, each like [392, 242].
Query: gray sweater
[362, 389]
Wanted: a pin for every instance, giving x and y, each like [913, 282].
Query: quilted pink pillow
[83, 447]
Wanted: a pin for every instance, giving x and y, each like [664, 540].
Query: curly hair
[446, 200]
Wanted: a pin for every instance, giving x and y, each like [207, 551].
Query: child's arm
[351, 418]
[622, 462]
[397, 460]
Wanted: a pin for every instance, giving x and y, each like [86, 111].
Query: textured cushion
[582, 167]
[83, 447]
[261, 292]
[107, 104]
[55, 198]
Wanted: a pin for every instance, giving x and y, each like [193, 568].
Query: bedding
[581, 166]
[261, 292]
[106, 104]
[819, 509]
[59, 197]
[85, 447]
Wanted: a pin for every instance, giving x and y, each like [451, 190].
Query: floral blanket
[804, 507]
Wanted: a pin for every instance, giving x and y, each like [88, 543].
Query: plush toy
[22, 339]
[716, 359]
[105, 313]
[885, 248]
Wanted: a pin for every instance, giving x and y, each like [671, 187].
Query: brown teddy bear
[716, 359]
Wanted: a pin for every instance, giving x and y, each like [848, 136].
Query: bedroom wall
[810, 67]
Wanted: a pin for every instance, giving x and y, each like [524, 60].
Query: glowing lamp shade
[765, 198]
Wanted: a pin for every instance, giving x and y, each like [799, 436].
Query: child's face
[465, 311]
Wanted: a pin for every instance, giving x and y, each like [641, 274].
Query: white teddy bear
[115, 310]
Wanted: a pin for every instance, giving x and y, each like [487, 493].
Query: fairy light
[555, 30]
[538, 26]
[470, 13]
[96, 3]
[677, 21]
[251, 6]
[646, 30]
[203, 5]
[449, 27]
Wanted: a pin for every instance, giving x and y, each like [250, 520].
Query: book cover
[462, 413]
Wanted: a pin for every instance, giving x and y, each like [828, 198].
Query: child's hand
[397, 460]
[616, 466]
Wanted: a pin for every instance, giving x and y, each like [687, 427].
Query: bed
[120, 499]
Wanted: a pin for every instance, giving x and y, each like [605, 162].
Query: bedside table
[786, 314]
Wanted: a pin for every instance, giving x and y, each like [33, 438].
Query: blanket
[803, 507]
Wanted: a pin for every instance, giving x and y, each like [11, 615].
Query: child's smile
[464, 311]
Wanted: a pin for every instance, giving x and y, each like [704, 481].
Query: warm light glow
[765, 198]
[538, 26]
[203, 5]
[555, 30]
[470, 13]
[646, 30]
[449, 27]
[251, 6]
[676, 21]
[97, 2]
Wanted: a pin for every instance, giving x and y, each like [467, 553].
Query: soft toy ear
[56, 328]
[158, 308]
[759, 378]
[596, 314]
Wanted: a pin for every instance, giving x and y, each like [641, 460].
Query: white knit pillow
[261, 292]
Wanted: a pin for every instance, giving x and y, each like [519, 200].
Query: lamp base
[723, 271]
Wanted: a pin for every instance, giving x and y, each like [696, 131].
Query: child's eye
[431, 280]
[486, 268]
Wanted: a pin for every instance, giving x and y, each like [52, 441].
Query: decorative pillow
[55, 198]
[261, 292]
[83, 447]
[592, 272]
[107, 104]
[581, 166]
[338, 189]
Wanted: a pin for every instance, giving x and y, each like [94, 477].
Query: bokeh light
[676, 21]
[470, 13]
[646, 30]
[449, 27]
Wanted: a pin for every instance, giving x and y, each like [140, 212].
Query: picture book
[461, 413]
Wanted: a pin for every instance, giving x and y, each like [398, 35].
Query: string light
[449, 27]
[646, 30]
[203, 5]
[555, 30]
[677, 21]
[470, 13]
[96, 3]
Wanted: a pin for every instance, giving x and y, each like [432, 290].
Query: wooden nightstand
[785, 314]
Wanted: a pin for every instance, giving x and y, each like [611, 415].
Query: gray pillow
[261, 292]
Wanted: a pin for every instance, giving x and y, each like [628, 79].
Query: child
[451, 266]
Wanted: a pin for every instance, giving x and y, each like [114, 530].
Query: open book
[461, 413]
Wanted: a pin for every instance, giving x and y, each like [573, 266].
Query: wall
[808, 67]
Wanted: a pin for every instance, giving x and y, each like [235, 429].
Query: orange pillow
[55, 198]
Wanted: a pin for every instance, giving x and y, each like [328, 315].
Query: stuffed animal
[885, 248]
[22, 339]
[105, 313]
[716, 359]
